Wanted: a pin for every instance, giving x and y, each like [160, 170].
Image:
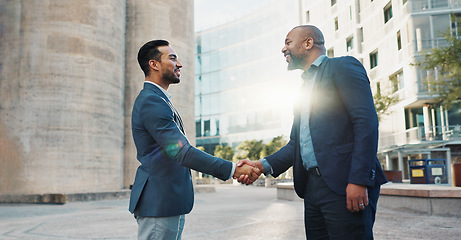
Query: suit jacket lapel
[177, 119]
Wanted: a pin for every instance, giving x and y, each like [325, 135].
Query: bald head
[309, 31]
[303, 45]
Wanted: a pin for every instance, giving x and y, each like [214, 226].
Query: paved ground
[232, 212]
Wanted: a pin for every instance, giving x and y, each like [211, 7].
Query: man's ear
[155, 65]
[309, 43]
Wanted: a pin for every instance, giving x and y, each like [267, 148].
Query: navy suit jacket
[163, 185]
[344, 130]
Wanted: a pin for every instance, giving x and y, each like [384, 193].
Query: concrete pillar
[449, 170]
[401, 164]
[388, 162]
[61, 95]
[427, 124]
[158, 19]
[434, 126]
[443, 124]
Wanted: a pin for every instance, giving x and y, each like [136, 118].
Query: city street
[232, 212]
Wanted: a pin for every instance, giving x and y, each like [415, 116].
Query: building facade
[68, 80]
[389, 37]
[242, 88]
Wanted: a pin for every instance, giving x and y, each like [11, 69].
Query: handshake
[247, 172]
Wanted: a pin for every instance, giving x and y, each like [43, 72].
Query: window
[336, 24]
[414, 117]
[456, 24]
[198, 128]
[350, 12]
[206, 128]
[360, 35]
[388, 12]
[373, 59]
[399, 41]
[308, 17]
[397, 81]
[349, 43]
[333, 2]
[331, 52]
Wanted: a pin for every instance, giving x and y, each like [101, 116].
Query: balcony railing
[421, 135]
[420, 5]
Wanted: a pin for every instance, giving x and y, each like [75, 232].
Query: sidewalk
[232, 212]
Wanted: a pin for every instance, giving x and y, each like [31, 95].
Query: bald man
[333, 141]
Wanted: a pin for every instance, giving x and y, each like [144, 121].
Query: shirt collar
[313, 67]
[319, 60]
[167, 94]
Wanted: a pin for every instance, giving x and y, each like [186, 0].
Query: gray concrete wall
[157, 19]
[62, 69]
[450, 207]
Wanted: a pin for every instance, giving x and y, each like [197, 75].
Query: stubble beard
[171, 77]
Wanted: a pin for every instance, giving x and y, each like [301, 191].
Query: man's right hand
[246, 179]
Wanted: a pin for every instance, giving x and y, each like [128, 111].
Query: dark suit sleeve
[353, 87]
[281, 160]
[157, 118]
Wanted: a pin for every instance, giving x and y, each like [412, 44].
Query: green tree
[250, 149]
[225, 152]
[382, 103]
[273, 146]
[447, 62]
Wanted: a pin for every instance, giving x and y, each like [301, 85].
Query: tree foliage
[255, 150]
[250, 149]
[447, 61]
[273, 146]
[225, 152]
[382, 103]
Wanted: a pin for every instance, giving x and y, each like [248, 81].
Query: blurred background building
[68, 79]
[242, 88]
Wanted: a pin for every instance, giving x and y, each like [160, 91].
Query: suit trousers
[160, 228]
[326, 215]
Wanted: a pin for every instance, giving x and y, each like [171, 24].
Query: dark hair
[149, 51]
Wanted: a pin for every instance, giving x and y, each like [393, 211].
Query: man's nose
[284, 49]
[179, 64]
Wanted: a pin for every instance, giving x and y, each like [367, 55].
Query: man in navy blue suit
[162, 192]
[333, 141]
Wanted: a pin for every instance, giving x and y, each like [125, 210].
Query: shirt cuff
[267, 167]
[233, 170]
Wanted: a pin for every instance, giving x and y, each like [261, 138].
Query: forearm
[281, 160]
[203, 162]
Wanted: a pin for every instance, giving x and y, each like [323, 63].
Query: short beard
[171, 77]
[296, 63]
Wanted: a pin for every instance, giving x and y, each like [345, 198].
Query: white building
[388, 37]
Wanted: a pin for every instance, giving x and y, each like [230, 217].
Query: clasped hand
[246, 172]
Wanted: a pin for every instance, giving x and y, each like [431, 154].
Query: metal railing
[420, 135]
[421, 5]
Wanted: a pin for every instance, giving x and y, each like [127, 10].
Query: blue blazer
[163, 184]
[344, 130]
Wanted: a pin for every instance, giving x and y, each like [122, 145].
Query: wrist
[260, 166]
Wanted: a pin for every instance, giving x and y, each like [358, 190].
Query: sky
[209, 13]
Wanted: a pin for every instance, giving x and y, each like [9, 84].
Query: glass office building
[243, 90]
